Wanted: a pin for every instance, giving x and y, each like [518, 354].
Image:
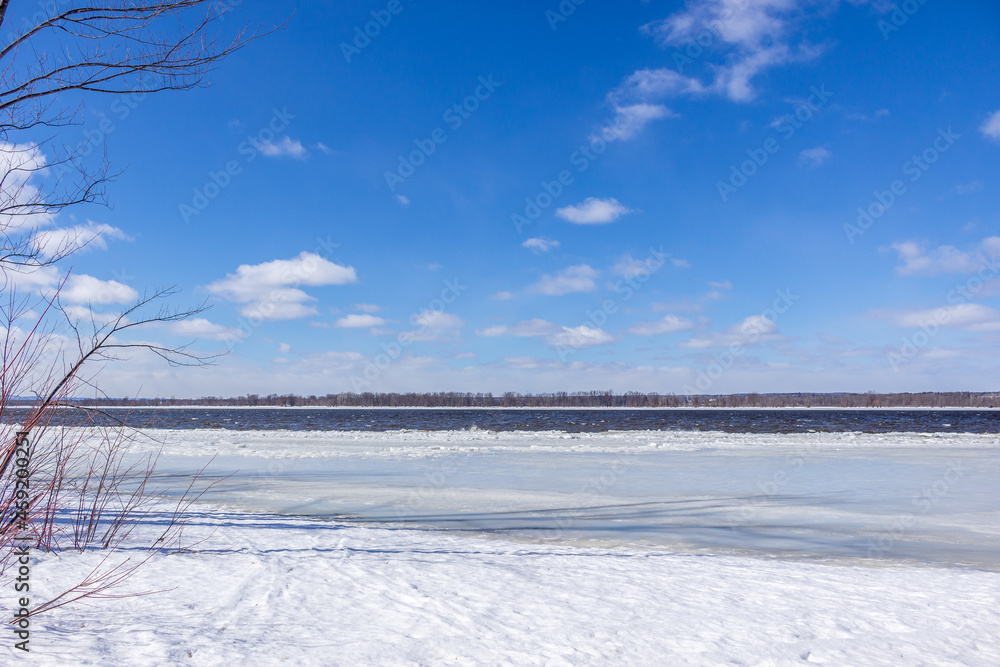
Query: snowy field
[647, 548]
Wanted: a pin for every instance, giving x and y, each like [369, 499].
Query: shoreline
[533, 408]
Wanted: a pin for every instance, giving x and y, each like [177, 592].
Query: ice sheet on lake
[929, 497]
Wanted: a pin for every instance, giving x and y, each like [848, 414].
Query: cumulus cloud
[669, 324]
[20, 164]
[90, 290]
[593, 211]
[356, 321]
[965, 316]
[814, 157]
[630, 267]
[285, 147]
[991, 128]
[580, 338]
[199, 327]
[269, 290]
[367, 308]
[524, 329]
[579, 278]
[32, 278]
[58, 242]
[749, 331]
[503, 295]
[539, 245]
[917, 260]
[435, 325]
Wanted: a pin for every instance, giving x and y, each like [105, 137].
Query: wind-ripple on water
[568, 420]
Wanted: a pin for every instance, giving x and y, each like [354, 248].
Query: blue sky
[710, 196]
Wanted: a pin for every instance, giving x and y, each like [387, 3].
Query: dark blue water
[569, 420]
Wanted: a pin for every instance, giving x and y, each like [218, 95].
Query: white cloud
[88, 289]
[748, 39]
[991, 128]
[356, 321]
[593, 211]
[945, 259]
[437, 319]
[658, 83]
[814, 157]
[279, 305]
[525, 329]
[752, 36]
[503, 295]
[580, 338]
[62, 241]
[631, 119]
[629, 267]
[369, 308]
[968, 188]
[30, 278]
[269, 289]
[403, 199]
[680, 263]
[20, 164]
[285, 147]
[669, 324]
[749, 331]
[966, 316]
[435, 325]
[579, 278]
[539, 246]
[199, 327]
[720, 284]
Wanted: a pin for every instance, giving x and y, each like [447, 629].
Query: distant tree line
[587, 399]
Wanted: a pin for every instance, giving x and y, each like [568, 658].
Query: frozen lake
[930, 498]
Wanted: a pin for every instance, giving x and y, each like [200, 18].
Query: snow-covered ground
[479, 548]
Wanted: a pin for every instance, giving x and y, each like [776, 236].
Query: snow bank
[267, 590]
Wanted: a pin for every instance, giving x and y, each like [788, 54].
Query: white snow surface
[416, 443]
[472, 548]
[268, 590]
